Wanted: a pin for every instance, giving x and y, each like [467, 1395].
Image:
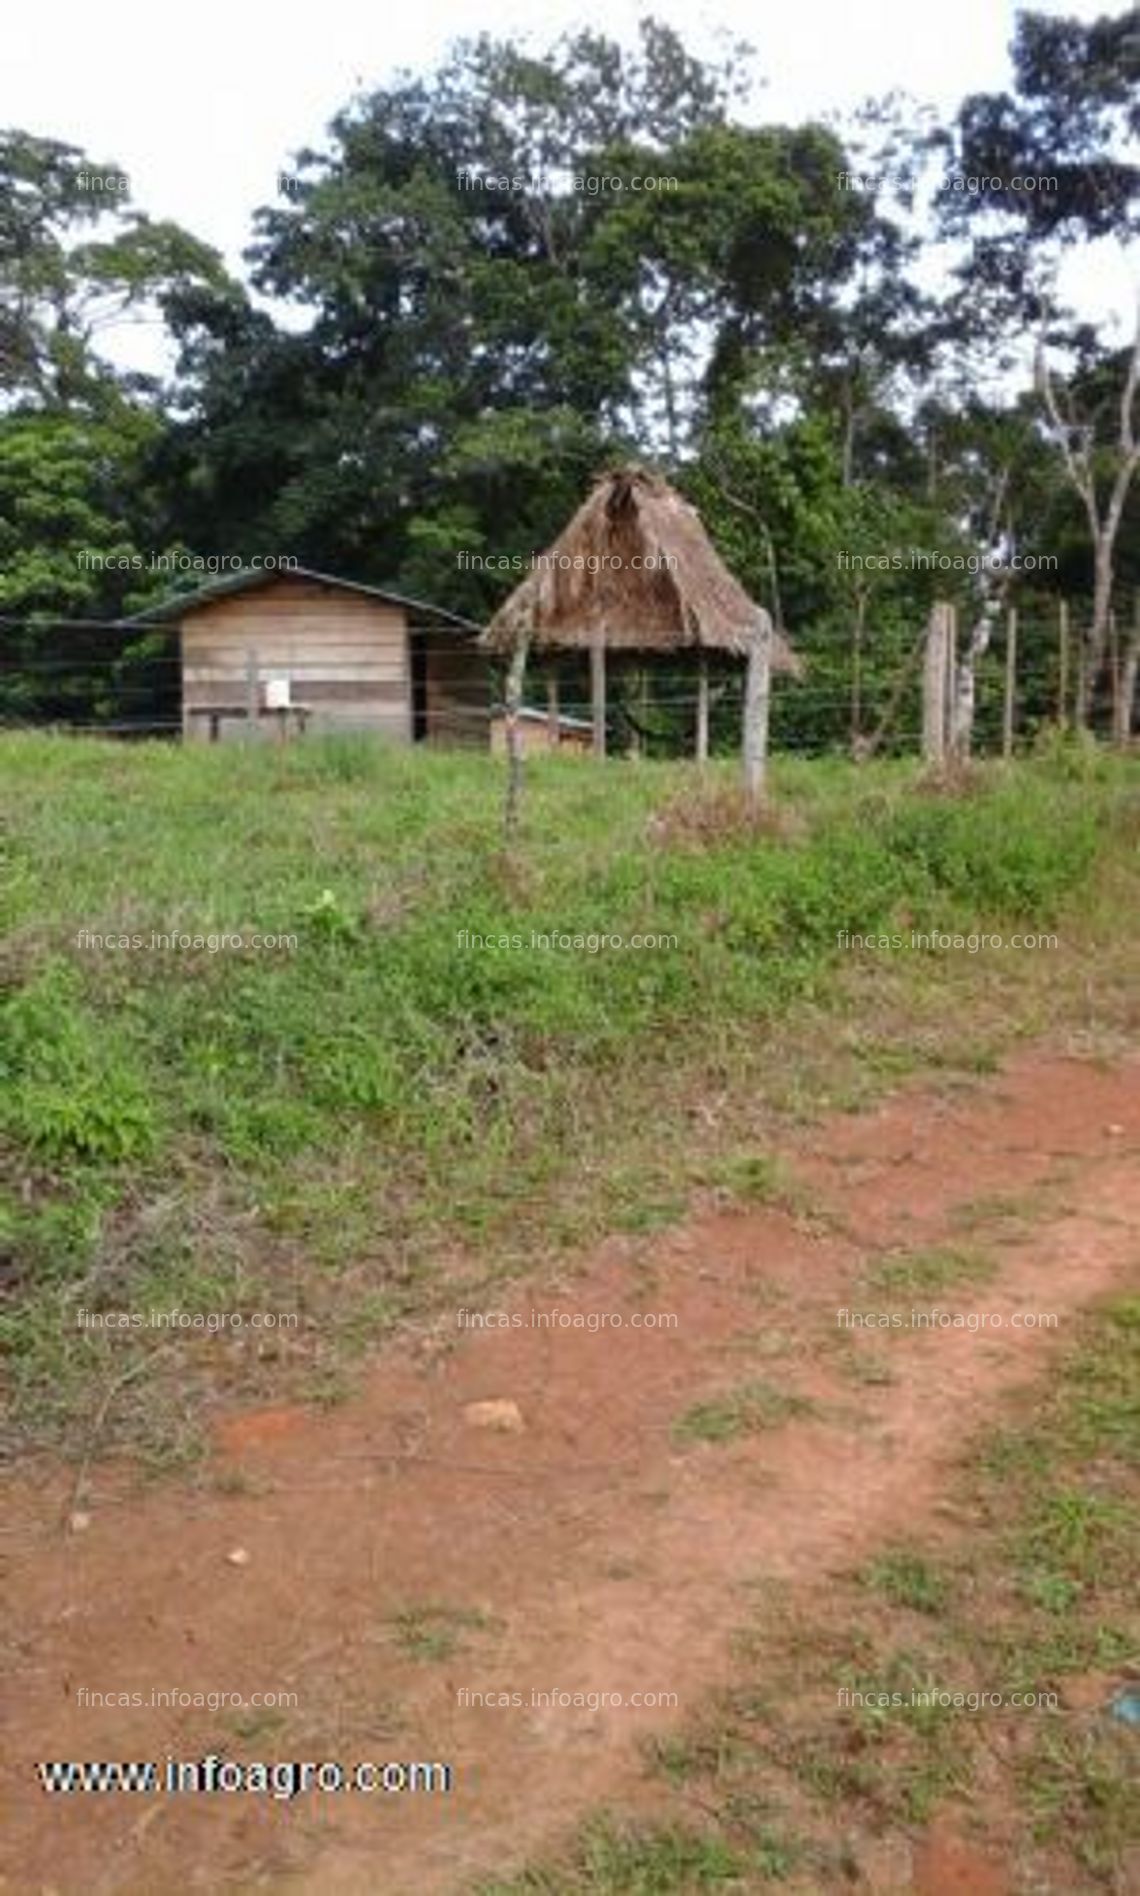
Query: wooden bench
[285, 716]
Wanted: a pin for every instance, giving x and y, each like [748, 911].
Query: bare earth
[599, 1555]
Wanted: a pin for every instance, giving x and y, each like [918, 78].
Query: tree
[1100, 461]
[61, 286]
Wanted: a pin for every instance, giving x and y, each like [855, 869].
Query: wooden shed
[549, 730]
[303, 650]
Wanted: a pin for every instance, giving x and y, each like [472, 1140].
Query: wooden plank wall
[458, 690]
[346, 655]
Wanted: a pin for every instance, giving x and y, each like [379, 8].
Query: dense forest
[847, 345]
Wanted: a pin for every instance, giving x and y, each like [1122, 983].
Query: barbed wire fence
[126, 680]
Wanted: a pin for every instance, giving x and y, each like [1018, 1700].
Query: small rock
[79, 1522]
[239, 1557]
[1086, 1691]
[500, 1414]
[1115, 1132]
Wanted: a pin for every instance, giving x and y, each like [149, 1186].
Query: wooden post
[598, 695]
[857, 675]
[552, 731]
[513, 701]
[251, 704]
[951, 697]
[1063, 663]
[1114, 675]
[1010, 682]
[757, 700]
[934, 685]
[702, 710]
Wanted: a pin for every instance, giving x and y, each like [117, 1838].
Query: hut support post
[513, 699]
[1010, 682]
[702, 710]
[552, 710]
[598, 696]
[757, 701]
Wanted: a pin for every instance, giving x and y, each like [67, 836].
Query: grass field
[339, 1129]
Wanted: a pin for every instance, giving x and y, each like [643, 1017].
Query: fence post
[1063, 683]
[757, 699]
[703, 710]
[598, 695]
[951, 698]
[1010, 682]
[934, 684]
[513, 700]
[251, 705]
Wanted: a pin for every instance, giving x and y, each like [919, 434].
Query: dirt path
[587, 1553]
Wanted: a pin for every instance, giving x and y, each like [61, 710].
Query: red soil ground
[599, 1555]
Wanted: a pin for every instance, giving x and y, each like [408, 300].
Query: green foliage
[63, 1093]
[417, 1063]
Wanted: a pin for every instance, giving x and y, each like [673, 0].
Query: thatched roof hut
[634, 571]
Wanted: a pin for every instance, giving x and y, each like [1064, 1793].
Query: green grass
[927, 1273]
[744, 1411]
[434, 1631]
[615, 1861]
[337, 1129]
[904, 1578]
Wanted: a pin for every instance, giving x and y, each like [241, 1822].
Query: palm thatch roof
[587, 589]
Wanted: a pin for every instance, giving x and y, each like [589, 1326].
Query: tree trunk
[1063, 666]
[1129, 676]
[1010, 683]
[1097, 645]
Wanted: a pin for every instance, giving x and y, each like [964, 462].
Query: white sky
[202, 105]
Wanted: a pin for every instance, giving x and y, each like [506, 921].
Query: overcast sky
[202, 105]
